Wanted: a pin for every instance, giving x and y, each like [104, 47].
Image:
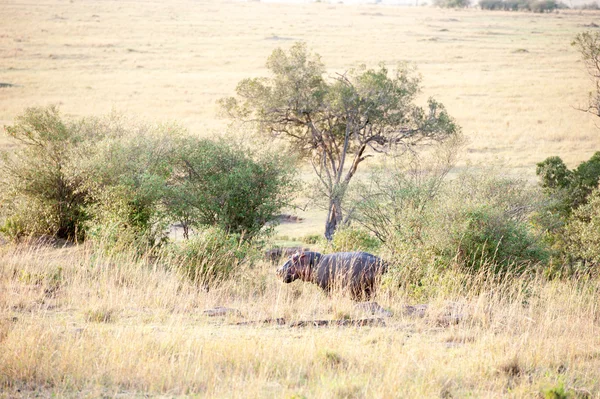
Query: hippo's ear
[302, 255]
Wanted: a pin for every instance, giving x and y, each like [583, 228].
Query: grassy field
[75, 323]
[512, 80]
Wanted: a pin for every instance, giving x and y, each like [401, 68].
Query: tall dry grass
[77, 323]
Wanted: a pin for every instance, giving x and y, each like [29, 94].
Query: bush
[474, 220]
[212, 255]
[521, 5]
[488, 238]
[392, 203]
[541, 6]
[350, 239]
[122, 183]
[127, 178]
[42, 193]
[568, 189]
[452, 3]
[582, 233]
[216, 185]
[312, 239]
[483, 219]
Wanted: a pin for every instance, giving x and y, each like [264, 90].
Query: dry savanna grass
[512, 80]
[76, 323]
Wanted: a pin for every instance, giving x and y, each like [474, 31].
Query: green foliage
[41, 191]
[128, 174]
[474, 221]
[337, 123]
[122, 183]
[312, 239]
[569, 215]
[539, 6]
[349, 239]
[452, 3]
[568, 189]
[392, 203]
[212, 255]
[487, 237]
[484, 221]
[585, 180]
[582, 234]
[217, 185]
[557, 392]
[553, 173]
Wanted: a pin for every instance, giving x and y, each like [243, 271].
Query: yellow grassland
[74, 323]
[511, 80]
[77, 324]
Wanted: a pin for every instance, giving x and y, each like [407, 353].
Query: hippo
[356, 272]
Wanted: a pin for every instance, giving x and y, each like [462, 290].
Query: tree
[340, 122]
[588, 45]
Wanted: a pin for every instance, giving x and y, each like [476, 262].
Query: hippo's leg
[361, 293]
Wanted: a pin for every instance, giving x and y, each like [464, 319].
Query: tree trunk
[334, 218]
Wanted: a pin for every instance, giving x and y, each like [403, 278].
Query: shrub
[127, 183]
[212, 255]
[487, 237]
[473, 220]
[585, 180]
[393, 202]
[41, 191]
[482, 219]
[582, 234]
[452, 3]
[216, 185]
[122, 183]
[505, 5]
[312, 239]
[541, 6]
[568, 189]
[521, 5]
[553, 173]
[354, 239]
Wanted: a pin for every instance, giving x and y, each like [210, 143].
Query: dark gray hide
[356, 272]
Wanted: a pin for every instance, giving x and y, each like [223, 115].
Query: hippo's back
[355, 270]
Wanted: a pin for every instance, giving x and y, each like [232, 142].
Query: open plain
[512, 80]
[75, 323]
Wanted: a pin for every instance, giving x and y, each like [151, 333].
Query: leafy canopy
[569, 188]
[337, 122]
[214, 184]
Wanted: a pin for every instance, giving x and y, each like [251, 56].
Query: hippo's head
[293, 268]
